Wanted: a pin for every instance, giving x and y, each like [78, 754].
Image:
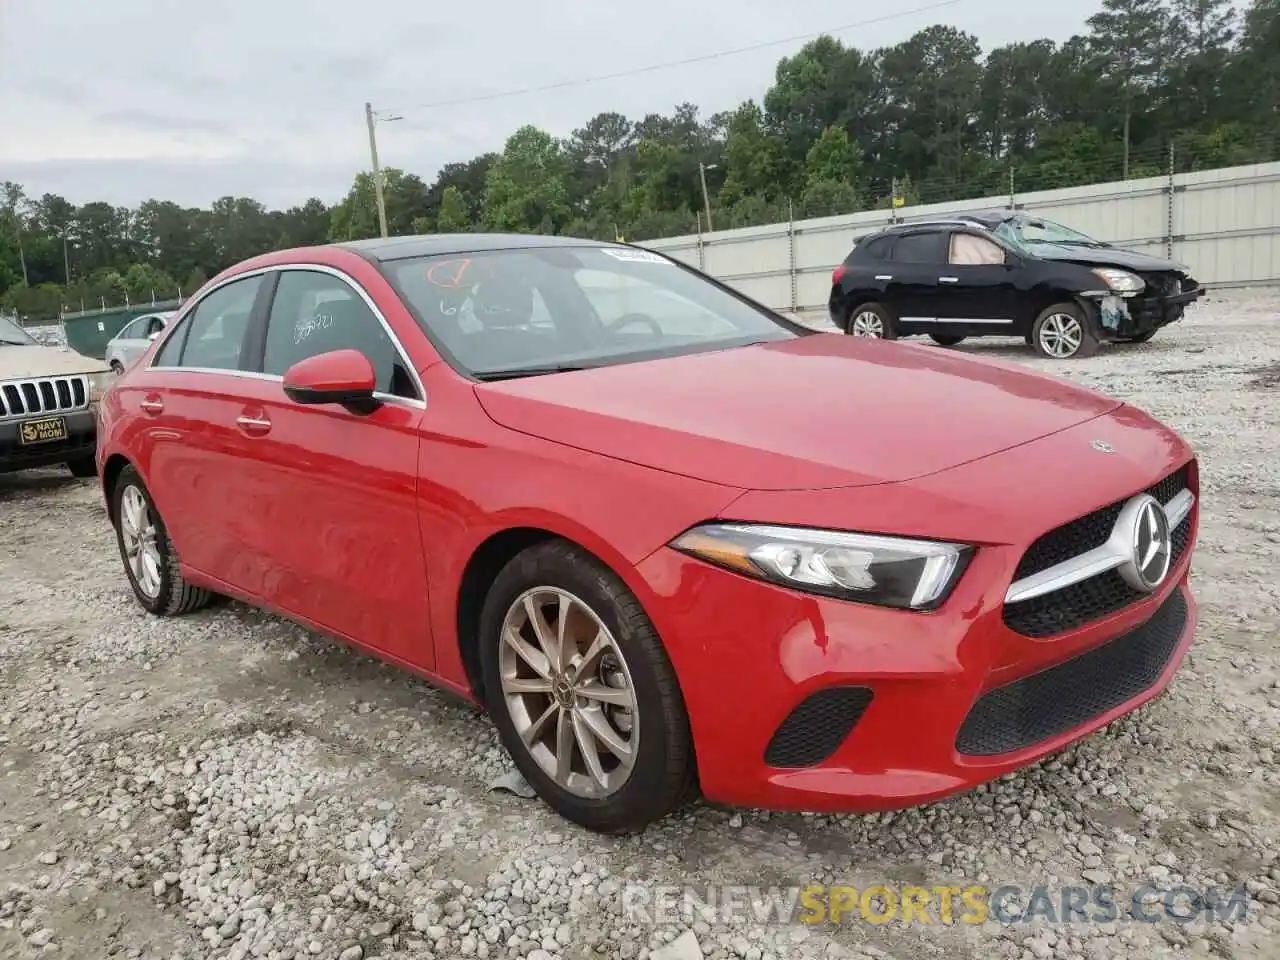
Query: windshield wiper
[516, 372]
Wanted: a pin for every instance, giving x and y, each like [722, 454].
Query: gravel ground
[228, 785]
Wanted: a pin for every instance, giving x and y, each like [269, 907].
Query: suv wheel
[150, 561]
[581, 691]
[83, 467]
[871, 320]
[1062, 332]
[117, 367]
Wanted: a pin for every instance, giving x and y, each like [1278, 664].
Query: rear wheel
[871, 320]
[150, 561]
[582, 692]
[1062, 332]
[946, 341]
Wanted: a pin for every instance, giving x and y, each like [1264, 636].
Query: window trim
[180, 326]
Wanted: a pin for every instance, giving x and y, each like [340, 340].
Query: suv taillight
[837, 274]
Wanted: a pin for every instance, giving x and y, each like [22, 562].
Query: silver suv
[48, 404]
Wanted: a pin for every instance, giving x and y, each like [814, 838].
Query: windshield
[548, 309]
[11, 333]
[1025, 232]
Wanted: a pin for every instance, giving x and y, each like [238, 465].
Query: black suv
[1005, 274]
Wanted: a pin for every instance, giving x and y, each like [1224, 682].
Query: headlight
[98, 383]
[889, 571]
[1121, 281]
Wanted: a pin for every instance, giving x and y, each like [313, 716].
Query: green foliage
[834, 132]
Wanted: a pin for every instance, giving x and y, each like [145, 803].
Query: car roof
[400, 248]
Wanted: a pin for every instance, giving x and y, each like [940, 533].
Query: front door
[977, 293]
[330, 494]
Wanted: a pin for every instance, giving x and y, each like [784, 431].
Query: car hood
[825, 410]
[28, 361]
[1105, 257]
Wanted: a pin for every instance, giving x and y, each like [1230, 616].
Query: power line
[653, 68]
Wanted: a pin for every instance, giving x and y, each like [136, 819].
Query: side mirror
[340, 376]
[152, 336]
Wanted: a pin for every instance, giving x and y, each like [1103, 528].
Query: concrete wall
[1224, 224]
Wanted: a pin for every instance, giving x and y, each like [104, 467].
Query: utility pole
[377, 171]
[706, 197]
[66, 261]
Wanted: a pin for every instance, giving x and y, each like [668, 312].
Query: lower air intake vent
[815, 729]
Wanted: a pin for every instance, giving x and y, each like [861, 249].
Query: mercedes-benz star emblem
[1102, 446]
[1151, 544]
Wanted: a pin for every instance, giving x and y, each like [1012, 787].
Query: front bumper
[1121, 318]
[909, 707]
[80, 442]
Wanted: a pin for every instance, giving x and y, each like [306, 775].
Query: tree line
[1150, 83]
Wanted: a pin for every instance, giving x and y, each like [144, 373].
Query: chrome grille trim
[1109, 556]
[43, 395]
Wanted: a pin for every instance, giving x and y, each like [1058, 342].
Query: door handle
[151, 406]
[948, 279]
[253, 425]
[884, 276]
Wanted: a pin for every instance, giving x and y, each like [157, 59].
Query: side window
[131, 330]
[928, 247]
[215, 332]
[167, 355]
[315, 313]
[968, 248]
[877, 249]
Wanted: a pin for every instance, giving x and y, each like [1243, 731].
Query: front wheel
[871, 320]
[150, 561]
[117, 368]
[83, 467]
[1062, 332]
[582, 692]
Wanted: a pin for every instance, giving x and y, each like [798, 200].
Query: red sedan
[667, 537]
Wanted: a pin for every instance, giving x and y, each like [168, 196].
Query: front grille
[815, 729]
[1100, 596]
[1046, 704]
[25, 398]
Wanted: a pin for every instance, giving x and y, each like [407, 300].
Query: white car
[48, 404]
[124, 349]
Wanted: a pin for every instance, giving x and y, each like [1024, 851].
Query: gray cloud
[130, 99]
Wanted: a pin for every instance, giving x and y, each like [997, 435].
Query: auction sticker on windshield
[634, 256]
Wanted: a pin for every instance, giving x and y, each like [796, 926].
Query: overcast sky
[121, 100]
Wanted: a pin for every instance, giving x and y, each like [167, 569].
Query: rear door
[188, 443]
[978, 289]
[914, 272]
[326, 498]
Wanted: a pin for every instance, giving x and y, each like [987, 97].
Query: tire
[873, 318]
[1140, 338]
[662, 772]
[117, 368]
[1063, 332]
[83, 467]
[945, 340]
[172, 595]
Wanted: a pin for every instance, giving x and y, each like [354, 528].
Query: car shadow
[34, 481]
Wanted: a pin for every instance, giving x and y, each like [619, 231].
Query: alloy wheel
[568, 691]
[867, 324]
[138, 534]
[1060, 335]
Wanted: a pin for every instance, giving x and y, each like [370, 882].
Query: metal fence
[1224, 224]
